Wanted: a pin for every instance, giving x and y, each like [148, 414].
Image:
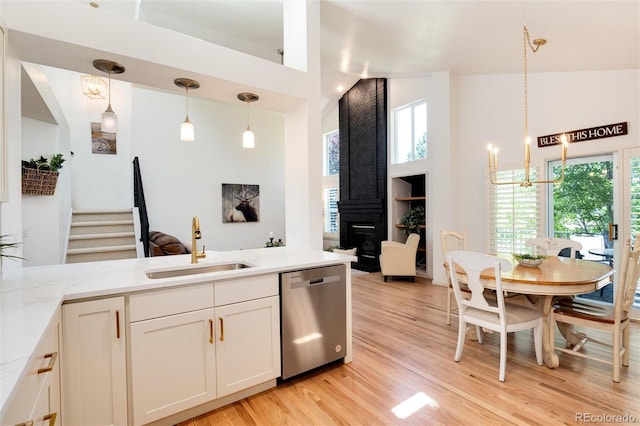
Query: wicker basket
[38, 182]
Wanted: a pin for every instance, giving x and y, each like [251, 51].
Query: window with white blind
[330, 209]
[513, 214]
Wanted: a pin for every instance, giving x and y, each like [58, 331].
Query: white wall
[491, 110]
[184, 179]
[42, 236]
[465, 113]
[11, 211]
[100, 181]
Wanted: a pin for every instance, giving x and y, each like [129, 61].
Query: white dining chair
[500, 317]
[552, 246]
[612, 319]
[452, 241]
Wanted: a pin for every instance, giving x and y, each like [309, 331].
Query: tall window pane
[332, 153]
[513, 213]
[331, 185]
[410, 133]
[330, 202]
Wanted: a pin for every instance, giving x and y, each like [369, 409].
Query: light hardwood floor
[402, 347]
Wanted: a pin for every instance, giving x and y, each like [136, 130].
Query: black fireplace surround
[363, 171]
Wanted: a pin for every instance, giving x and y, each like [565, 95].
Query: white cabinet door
[248, 344]
[94, 364]
[172, 364]
[38, 393]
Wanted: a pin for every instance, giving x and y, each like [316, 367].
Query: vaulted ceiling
[413, 38]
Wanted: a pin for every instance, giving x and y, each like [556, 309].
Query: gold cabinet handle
[52, 361]
[221, 329]
[51, 417]
[211, 331]
[117, 324]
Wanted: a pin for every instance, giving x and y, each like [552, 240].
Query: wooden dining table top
[555, 275]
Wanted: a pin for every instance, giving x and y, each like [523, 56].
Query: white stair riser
[101, 216]
[101, 242]
[101, 229]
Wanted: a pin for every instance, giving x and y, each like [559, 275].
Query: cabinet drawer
[169, 302]
[234, 291]
[42, 368]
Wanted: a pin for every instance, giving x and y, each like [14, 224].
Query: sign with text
[581, 135]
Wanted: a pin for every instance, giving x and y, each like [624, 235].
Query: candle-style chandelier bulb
[493, 151]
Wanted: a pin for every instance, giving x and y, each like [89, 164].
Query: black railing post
[139, 202]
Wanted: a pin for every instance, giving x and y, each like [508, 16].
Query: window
[513, 213]
[330, 209]
[410, 132]
[332, 153]
[331, 185]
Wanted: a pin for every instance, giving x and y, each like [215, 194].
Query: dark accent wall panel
[363, 141]
[363, 169]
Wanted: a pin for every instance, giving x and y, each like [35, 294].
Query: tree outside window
[331, 184]
[411, 132]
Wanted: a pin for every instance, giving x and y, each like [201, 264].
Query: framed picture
[240, 203]
[102, 142]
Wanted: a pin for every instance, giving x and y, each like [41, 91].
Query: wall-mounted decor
[580, 135]
[240, 203]
[102, 142]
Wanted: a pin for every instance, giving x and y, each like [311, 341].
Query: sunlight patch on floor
[413, 404]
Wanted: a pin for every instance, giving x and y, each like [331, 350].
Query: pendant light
[109, 123]
[186, 129]
[248, 138]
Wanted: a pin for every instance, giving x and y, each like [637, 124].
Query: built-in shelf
[401, 226]
[411, 198]
[408, 192]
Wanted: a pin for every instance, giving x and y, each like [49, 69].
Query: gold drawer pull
[210, 331]
[51, 417]
[221, 329]
[117, 324]
[53, 356]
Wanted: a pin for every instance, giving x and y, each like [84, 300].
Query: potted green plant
[4, 246]
[39, 177]
[413, 220]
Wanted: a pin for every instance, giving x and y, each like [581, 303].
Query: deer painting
[244, 211]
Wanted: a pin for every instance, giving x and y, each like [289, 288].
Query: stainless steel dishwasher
[314, 316]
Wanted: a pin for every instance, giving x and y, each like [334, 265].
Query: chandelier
[493, 151]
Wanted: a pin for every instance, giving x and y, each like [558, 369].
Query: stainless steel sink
[195, 269]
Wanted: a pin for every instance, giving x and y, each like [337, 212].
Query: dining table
[554, 277]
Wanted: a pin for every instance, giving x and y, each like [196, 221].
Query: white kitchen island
[31, 298]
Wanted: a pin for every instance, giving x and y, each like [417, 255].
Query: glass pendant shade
[187, 133]
[248, 139]
[109, 122]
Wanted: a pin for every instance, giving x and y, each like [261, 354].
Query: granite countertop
[30, 297]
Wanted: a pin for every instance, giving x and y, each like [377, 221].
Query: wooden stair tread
[100, 236]
[99, 211]
[102, 222]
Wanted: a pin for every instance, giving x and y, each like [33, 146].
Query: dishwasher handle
[314, 282]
